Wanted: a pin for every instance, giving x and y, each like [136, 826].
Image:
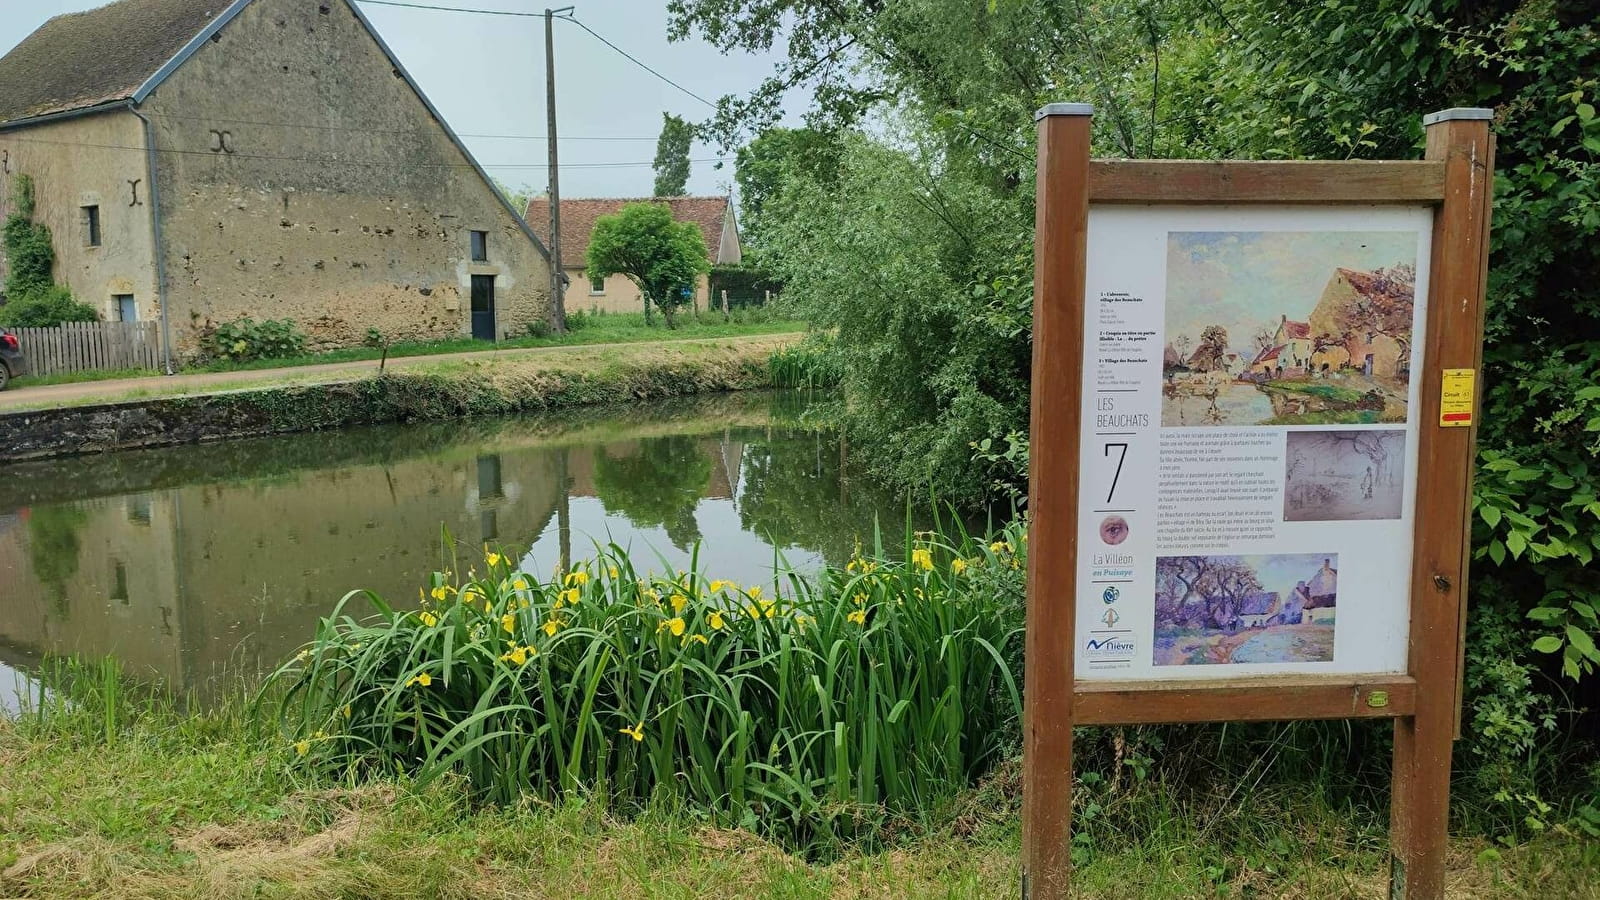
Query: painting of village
[1275, 608]
[1288, 327]
[1335, 476]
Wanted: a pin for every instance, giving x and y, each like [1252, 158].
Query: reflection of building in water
[188, 582]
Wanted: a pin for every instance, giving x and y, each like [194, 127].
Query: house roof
[1324, 586]
[1297, 330]
[1267, 354]
[579, 214]
[87, 59]
[1370, 284]
[1260, 603]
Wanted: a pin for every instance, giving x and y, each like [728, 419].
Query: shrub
[806, 365]
[541, 327]
[813, 710]
[29, 253]
[246, 339]
[45, 307]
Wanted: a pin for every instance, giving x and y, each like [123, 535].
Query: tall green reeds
[812, 709]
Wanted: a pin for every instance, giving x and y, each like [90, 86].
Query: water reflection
[191, 563]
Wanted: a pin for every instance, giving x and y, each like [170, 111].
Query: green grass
[1332, 392]
[27, 381]
[114, 790]
[607, 328]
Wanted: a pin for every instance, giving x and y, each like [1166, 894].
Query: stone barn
[200, 161]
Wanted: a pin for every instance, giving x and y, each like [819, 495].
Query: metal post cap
[1457, 114]
[1064, 109]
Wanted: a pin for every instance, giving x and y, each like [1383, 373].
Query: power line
[366, 130]
[635, 60]
[481, 12]
[501, 12]
[336, 161]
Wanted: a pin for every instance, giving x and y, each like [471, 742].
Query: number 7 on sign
[1118, 474]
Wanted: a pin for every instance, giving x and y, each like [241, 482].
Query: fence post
[724, 305]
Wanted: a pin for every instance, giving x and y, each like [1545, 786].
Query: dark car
[12, 363]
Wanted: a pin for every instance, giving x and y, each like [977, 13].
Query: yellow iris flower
[509, 623]
[679, 601]
[578, 577]
[302, 747]
[675, 625]
[697, 638]
[519, 585]
[424, 680]
[552, 626]
[428, 619]
[715, 621]
[958, 565]
[440, 593]
[922, 558]
[492, 559]
[636, 732]
[859, 617]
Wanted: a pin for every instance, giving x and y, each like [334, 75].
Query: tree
[1213, 346]
[761, 167]
[663, 258]
[672, 156]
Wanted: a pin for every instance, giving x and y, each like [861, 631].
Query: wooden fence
[91, 346]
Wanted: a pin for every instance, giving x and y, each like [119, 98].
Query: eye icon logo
[1111, 594]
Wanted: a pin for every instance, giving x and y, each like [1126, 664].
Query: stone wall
[303, 178]
[94, 160]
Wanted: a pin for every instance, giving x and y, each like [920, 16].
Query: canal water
[193, 565]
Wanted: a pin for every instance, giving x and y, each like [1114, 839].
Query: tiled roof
[1297, 330]
[1260, 603]
[578, 216]
[1370, 284]
[85, 59]
[1324, 586]
[1268, 354]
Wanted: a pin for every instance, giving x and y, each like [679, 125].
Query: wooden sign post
[1253, 417]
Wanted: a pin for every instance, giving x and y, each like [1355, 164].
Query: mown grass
[140, 798]
[608, 328]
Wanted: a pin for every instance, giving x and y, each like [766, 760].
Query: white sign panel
[1249, 443]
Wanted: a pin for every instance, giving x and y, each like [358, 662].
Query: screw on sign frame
[1455, 177]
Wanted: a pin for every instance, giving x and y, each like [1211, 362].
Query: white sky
[485, 74]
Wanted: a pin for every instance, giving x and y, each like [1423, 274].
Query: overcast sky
[486, 75]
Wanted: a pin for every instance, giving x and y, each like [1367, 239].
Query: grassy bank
[610, 328]
[447, 389]
[145, 801]
[613, 732]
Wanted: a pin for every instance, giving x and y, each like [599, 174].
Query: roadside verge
[446, 390]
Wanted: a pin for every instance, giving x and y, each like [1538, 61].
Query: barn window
[480, 246]
[91, 226]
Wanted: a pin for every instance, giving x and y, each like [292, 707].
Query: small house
[1258, 609]
[713, 216]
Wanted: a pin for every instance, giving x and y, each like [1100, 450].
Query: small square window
[91, 226]
[597, 286]
[480, 246]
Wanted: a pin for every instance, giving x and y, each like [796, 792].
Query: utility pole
[558, 310]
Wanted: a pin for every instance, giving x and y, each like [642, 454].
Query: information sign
[1253, 400]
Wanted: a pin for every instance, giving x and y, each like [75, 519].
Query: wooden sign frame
[1455, 177]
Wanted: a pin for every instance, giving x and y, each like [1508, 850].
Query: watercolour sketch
[1335, 476]
[1288, 327]
[1276, 608]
